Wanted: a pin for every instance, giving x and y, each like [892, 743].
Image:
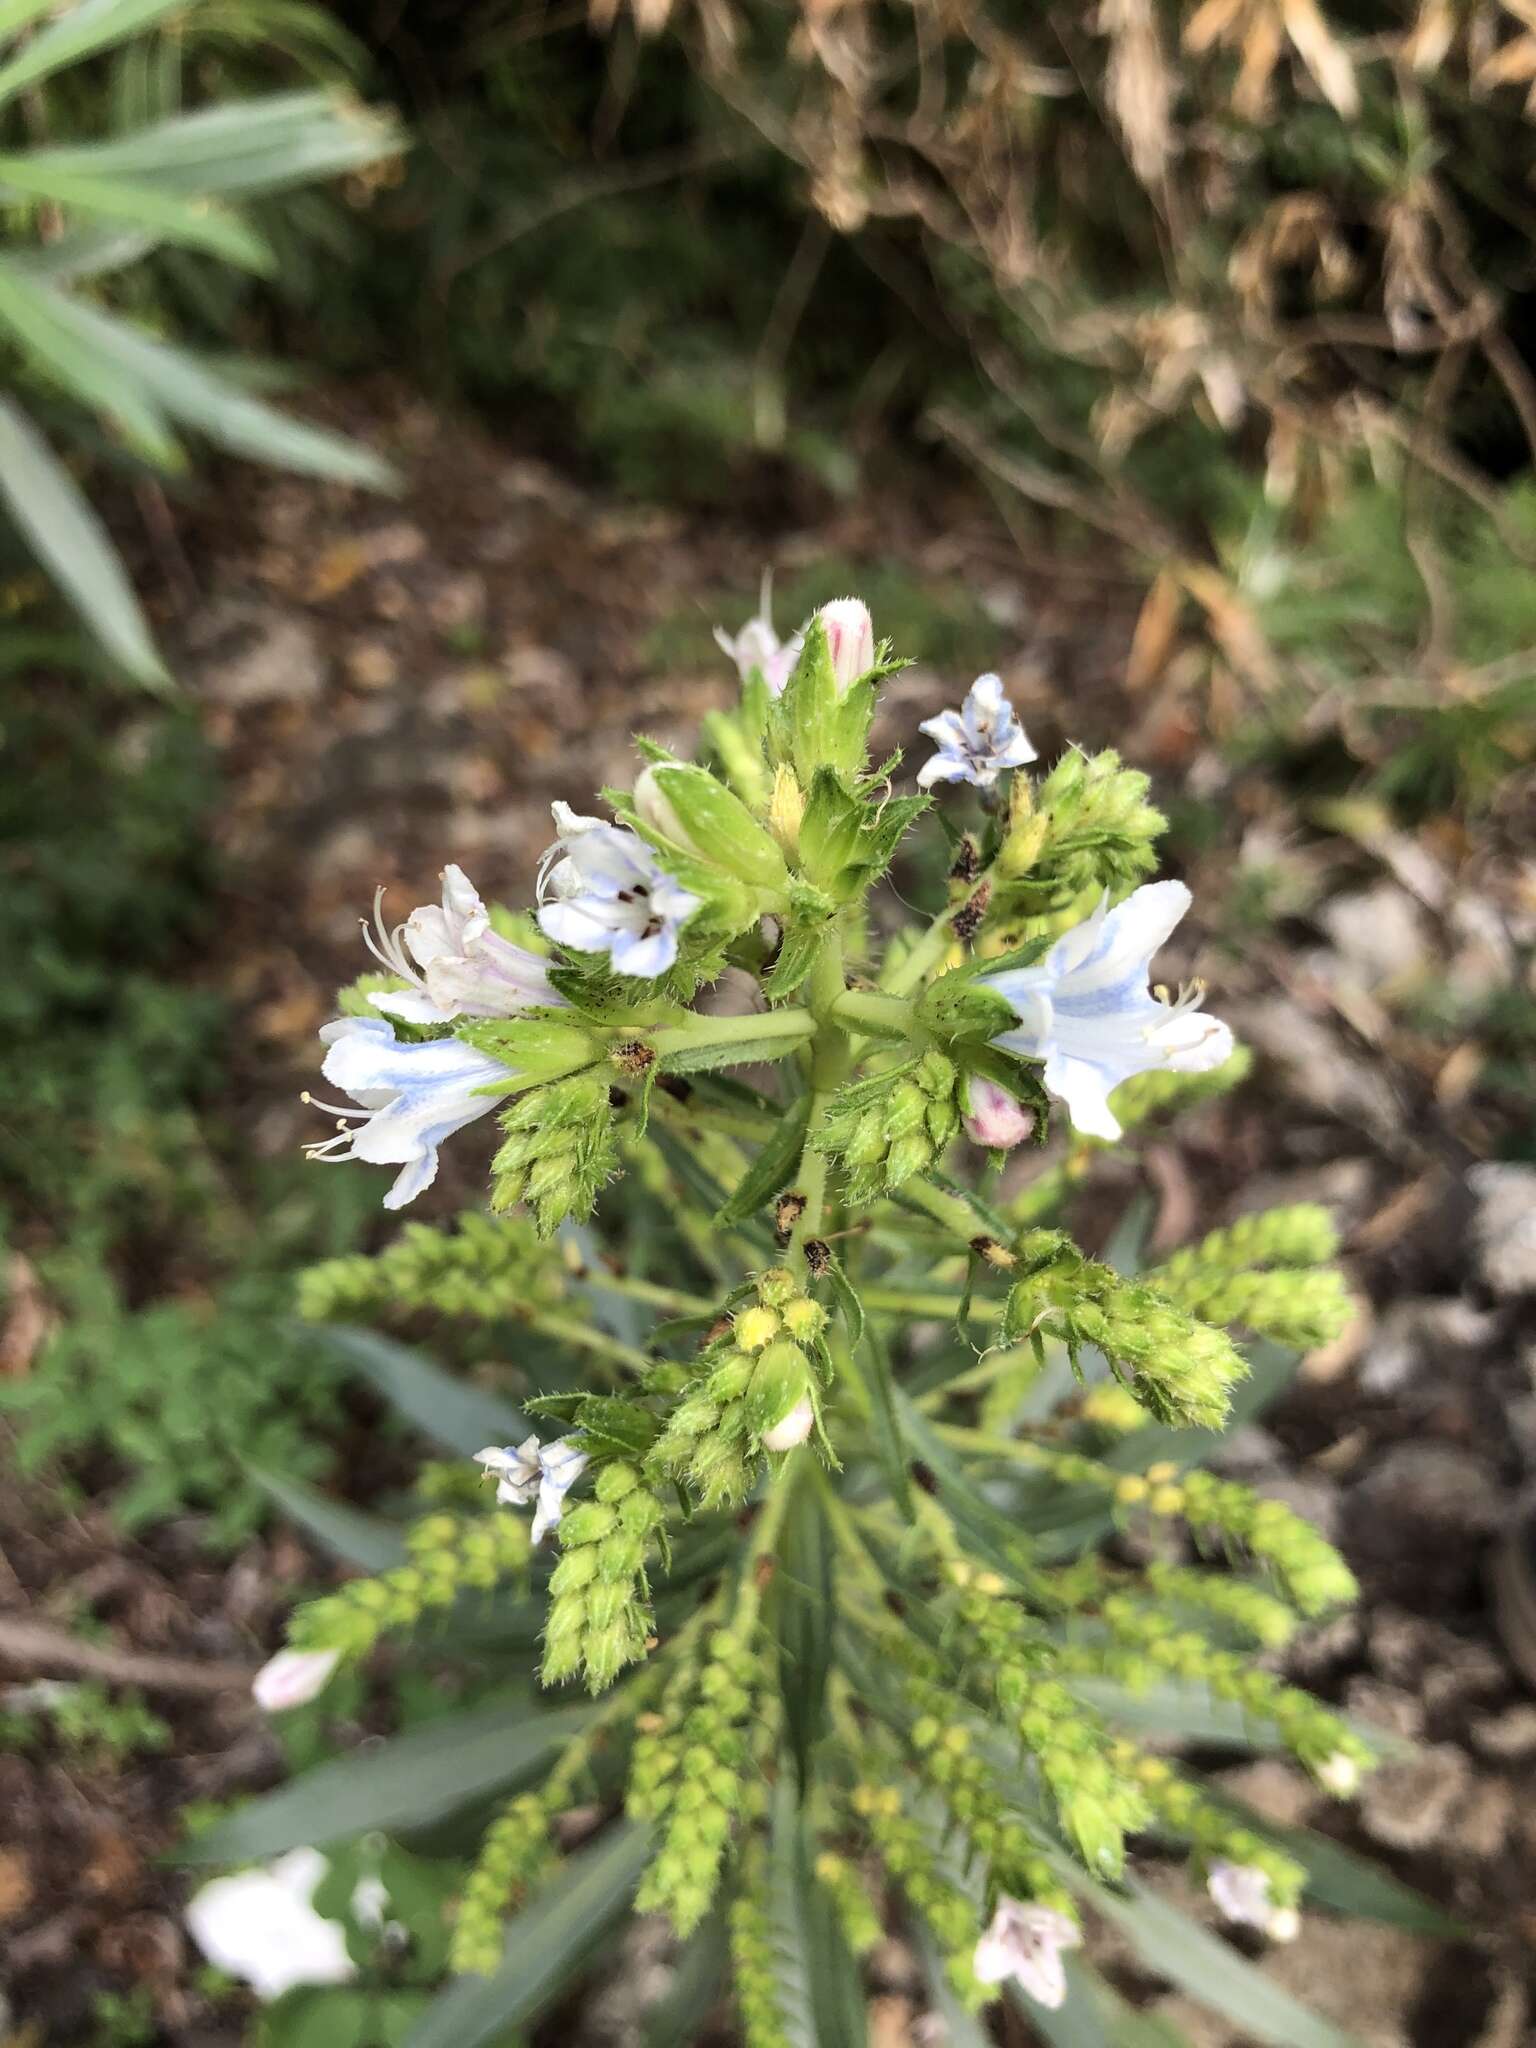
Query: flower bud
[1339, 1774]
[794, 1429]
[850, 639]
[692, 808]
[786, 807]
[994, 1117]
[654, 806]
[292, 1679]
[780, 1381]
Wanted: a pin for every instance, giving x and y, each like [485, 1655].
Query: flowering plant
[871, 1573]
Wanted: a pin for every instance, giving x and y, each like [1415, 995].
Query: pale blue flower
[602, 890]
[758, 647]
[1241, 1894]
[456, 963]
[409, 1099]
[1087, 1011]
[534, 1471]
[977, 742]
[1026, 1943]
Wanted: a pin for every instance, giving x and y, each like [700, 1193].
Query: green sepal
[813, 724]
[718, 826]
[797, 954]
[959, 1007]
[535, 1047]
[847, 841]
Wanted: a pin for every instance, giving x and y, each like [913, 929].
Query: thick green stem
[939, 1308]
[790, 1026]
[953, 1212]
[884, 1016]
[569, 1331]
[831, 1056]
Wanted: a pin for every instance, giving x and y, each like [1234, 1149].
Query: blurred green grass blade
[247, 146]
[696, 1988]
[84, 29]
[547, 1944]
[54, 516]
[411, 1781]
[962, 2029]
[1347, 1883]
[364, 1540]
[164, 215]
[820, 1997]
[84, 252]
[37, 318]
[15, 14]
[452, 1412]
[1093, 2016]
[201, 398]
[1175, 1947]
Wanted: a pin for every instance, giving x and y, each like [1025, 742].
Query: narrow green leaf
[804, 1606]
[244, 146]
[452, 1412]
[410, 1781]
[849, 1306]
[695, 1989]
[873, 1368]
[740, 1052]
[772, 1171]
[962, 2029]
[547, 1944]
[821, 2000]
[48, 506]
[37, 318]
[364, 1540]
[1338, 1878]
[83, 30]
[163, 215]
[217, 406]
[1174, 1946]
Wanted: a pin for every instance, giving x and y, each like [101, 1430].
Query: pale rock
[1409, 1801]
[1504, 1227]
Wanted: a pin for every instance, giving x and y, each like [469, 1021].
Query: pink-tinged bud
[293, 1678]
[850, 635]
[794, 1429]
[995, 1118]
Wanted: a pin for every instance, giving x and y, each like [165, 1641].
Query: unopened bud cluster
[514, 1855]
[449, 1555]
[558, 1149]
[599, 1611]
[756, 1390]
[896, 1124]
[1179, 1368]
[482, 1266]
[689, 1774]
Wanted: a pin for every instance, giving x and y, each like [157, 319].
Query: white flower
[850, 638]
[1339, 1774]
[1086, 1009]
[792, 1429]
[1026, 1943]
[457, 965]
[259, 1925]
[292, 1679]
[758, 646]
[602, 890]
[531, 1468]
[412, 1096]
[977, 742]
[1242, 1896]
[994, 1116]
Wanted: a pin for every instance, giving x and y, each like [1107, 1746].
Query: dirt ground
[395, 683]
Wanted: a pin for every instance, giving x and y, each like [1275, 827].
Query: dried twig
[37, 1647]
